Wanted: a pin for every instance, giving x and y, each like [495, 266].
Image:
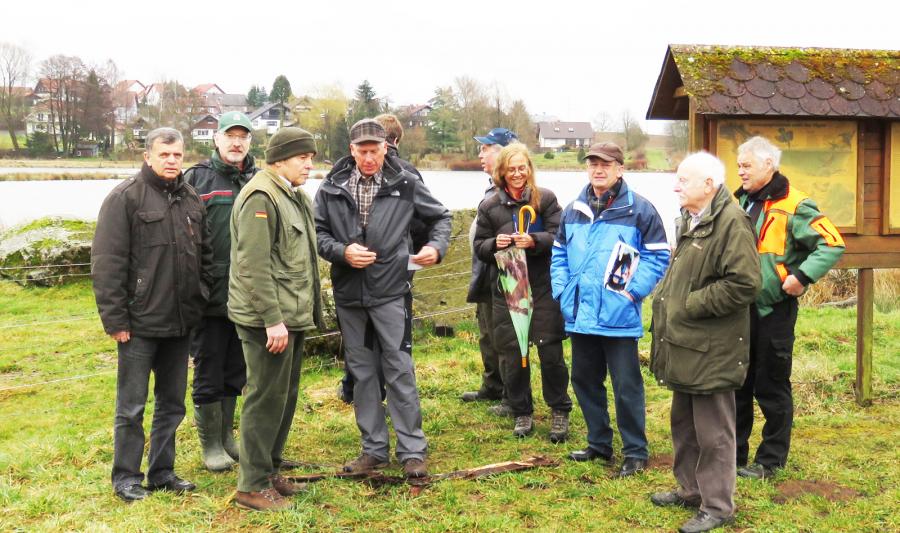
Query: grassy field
[56, 438]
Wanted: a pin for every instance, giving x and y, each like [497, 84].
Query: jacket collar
[392, 172]
[160, 184]
[232, 172]
[776, 189]
[705, 226]
[623, 199]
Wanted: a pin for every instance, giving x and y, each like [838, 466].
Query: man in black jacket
[150, 264]
[364, 208]
[219, 371]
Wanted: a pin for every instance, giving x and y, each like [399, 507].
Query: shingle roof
[560, 130]
[745, 80]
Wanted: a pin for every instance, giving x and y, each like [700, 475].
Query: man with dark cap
[607, 227]
[219, 371]
[364, 209]
[273, 298]
[480, 286]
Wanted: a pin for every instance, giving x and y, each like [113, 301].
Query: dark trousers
[554, 379]
[273, 381]
[371, 342]
[703, 441]
[592, 356]
[491, 379]
[167, 359]
[219, 369]
[769, 381]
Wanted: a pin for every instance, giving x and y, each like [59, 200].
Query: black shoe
[477, 396]
[174, 484]
[589, 454]
[631, 466]
[756, 471]
[664, 499]
[132, 493]
[703, 521]
[287, 464]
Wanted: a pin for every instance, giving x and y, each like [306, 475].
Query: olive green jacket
[274, 273]
[701, 308]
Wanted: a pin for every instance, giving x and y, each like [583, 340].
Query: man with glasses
[219, 372]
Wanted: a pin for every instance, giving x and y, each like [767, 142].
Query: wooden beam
[864, 319]
[680, 92]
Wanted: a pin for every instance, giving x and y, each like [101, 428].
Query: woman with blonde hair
[514, 177]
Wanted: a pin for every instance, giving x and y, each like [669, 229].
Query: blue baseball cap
[501, 136]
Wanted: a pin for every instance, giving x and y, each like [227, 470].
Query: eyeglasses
[235, 137]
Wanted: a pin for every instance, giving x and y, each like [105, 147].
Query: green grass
[6, 141]
[56, 439]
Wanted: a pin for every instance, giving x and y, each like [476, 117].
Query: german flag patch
[261, 214]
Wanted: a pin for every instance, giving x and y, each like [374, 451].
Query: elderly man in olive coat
[701, 339]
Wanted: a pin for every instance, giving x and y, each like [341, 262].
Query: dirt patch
[794, 489]
[661, 462]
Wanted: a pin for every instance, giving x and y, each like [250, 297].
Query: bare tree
[15, 63]
[63, 77]
[520, 122]
[473, 108]
[634, 134]
[604, 122]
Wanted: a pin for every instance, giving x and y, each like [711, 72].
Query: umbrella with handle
[513, 280]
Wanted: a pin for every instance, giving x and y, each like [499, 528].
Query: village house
[269, 117]
[558, 135]
[204, 129]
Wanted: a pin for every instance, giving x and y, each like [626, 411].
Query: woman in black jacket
[514, 178]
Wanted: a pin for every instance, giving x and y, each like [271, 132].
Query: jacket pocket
[687, 356]
[568, 301]
[781, 361]
[617, 311]
[152, 229]
[195, 226]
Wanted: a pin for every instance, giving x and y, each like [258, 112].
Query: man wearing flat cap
[273, 298]
[364, 209]
[609, 254]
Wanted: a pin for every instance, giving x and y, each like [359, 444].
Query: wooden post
[865, 317]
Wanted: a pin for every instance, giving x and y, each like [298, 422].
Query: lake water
[21, 201]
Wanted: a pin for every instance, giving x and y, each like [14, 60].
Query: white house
[556, 135]
[204, 129]
[269, 117]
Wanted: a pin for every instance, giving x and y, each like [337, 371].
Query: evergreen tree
[256, 96]
[281, 91]
[365, 104]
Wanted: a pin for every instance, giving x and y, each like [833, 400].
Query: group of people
[221, 262]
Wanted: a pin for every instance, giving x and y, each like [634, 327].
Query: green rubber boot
[231, 447]
[209, 429]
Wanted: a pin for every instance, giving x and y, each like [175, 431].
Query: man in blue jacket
[609, 254]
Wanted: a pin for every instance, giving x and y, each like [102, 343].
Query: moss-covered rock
[46, 252]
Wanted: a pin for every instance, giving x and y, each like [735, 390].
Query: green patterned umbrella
[513, 280]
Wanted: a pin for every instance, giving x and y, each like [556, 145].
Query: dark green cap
[232, 119]
[288, 142]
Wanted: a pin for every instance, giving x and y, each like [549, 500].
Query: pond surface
[21, 201]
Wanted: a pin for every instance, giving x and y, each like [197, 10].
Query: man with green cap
[273, 298]
[219, 370]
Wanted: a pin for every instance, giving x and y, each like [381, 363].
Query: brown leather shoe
[264, 500]
[284, 486]
[414, 468]
[364, 463]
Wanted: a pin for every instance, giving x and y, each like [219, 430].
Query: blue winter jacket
[581, 252]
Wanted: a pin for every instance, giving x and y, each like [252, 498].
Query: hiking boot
[703, 521]
[284, 486]
[363, 464]
[501, 409]
[672, 498]
[264, 500]
[559, 427]
[209, 428]
[231, 448]
[414, 467]
[756, 471]
[524, 426]
[631, 466]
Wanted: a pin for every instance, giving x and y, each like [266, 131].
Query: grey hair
[762, 149]
[165, 135]
[704, 165]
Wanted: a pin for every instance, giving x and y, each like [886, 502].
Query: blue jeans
[592, 355]
[167, 359]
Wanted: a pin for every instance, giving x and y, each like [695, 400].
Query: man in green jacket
[219, 371]
[273, 299]
[701, 339]
[797, 245]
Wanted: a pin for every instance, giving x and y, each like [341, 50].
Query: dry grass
[840, 285]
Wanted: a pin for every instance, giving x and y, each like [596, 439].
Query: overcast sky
[571, 59]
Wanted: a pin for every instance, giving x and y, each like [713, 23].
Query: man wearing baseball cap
[609, 254]
[480, 286]
[364, 210]
[219, 371]
[274, 300]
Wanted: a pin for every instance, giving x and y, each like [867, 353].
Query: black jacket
[401, 199]
[218, 183]
[495, 216]
[151, 257]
